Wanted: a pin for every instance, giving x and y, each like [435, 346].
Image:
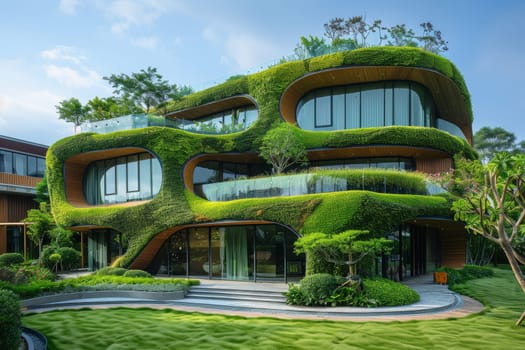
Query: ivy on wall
[328, 212]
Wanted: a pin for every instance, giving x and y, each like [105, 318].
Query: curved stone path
[437, 302]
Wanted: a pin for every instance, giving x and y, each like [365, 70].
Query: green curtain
[234, 253]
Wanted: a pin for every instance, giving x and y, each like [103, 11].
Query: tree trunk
[514, 265]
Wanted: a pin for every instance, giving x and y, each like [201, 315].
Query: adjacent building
[189, 195]
[22, 166]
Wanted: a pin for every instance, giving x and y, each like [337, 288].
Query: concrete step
[214, 293]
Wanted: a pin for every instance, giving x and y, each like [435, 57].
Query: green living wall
[329, 212]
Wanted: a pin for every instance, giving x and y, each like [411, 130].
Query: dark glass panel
[20, 164]
[31, 166]
[198, 238]
[323, 109]
[206, 172]
[401, 103]
[40, 167]
[6, 162]
[133, 173]
[372, 106]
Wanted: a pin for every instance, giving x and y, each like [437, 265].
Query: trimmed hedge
[468, 272]
[10, 320]
[384, 292]
[9, 259]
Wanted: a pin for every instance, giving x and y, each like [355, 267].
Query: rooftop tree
[72, 111]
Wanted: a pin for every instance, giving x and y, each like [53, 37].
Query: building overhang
[213, 107]
[445, 93]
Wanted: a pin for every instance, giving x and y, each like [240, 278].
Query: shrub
[70, 258]
[111, 271]
[8, 259]
[136, 273]
[468, 272]
[384, 292]
[10, 324]
[318, 287]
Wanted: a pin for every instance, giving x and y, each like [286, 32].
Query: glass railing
[135, 121]
[301, 184]
[449, 127]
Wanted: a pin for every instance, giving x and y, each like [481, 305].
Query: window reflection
[122, 179]
[365, 105]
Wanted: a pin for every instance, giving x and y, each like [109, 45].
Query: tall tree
[72, 111]
[41, 224]
[493, 206]
[282, 148]
[311, 46]
[432, 39]
[401, 36]
[109, 107]
[490, 141]
[146, 88]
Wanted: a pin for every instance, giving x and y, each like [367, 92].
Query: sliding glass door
[243, 252]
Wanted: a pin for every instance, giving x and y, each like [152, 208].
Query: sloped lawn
[122, 328]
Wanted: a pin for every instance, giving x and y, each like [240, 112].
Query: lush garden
[121, 328]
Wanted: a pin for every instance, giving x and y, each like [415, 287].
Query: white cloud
[73, 78]
[126, 13]
[249, 51]
[149, 43]
[69, 7]
[244, 49]
[63, 53]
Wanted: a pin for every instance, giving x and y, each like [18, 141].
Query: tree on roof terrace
[356, 32]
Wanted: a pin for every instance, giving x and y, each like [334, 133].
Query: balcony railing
[301, 184]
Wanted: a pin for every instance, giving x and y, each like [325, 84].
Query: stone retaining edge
[55, 298]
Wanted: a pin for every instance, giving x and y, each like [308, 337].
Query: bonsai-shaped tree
[493, 206]
[281, 148]
[345, 248]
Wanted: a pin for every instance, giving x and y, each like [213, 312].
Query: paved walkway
[436, 302]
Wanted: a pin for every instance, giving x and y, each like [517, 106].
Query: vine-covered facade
[189, 195]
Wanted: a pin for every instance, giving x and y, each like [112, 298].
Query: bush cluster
[468, 272]
[8, 259]
[69, 257]
[384, 292]
[327, 290]
[111, 271]
[10, 320]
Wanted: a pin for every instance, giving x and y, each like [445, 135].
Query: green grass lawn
[121, 328]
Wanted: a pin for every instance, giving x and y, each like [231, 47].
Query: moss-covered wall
[330, 212]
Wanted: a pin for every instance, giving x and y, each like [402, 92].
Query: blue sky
[54, 50]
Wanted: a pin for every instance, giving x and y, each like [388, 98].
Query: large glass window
[365, 105]
[122, 179]
[243, 252]
[225, 122]
[21, 164]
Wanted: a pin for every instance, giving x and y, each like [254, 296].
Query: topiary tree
[345, 248]
[282, 148]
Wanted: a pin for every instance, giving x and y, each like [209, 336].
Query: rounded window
[365, 105]
[123, 179]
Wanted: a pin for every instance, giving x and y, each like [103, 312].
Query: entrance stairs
[236, 294]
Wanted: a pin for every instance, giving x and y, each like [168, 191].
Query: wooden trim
[444, 91]
[75, 168]
[427, 160]
[151, 249]
[189, 167]
[211, 108]
[19, 180]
